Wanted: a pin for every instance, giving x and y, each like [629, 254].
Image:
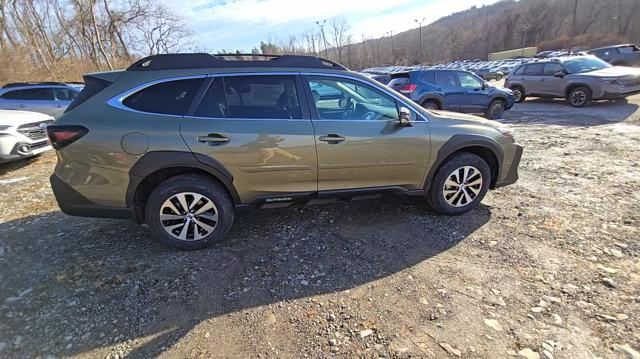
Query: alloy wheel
[517, 94]
[578, 98]
[462, 186]
[497, 109]
[188, 216]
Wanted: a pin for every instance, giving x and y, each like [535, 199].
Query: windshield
[584, 64]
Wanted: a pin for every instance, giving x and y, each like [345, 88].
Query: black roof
[203, 60]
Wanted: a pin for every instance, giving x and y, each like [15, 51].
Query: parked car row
[26, 109]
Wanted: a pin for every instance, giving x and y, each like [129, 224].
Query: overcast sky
[241, 24]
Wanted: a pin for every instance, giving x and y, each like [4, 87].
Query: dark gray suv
[579, 79]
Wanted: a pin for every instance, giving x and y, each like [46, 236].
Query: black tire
[437, 197]
[190, 183]
[579, 96]
[430, 105]
[518, 93]
[496, 109]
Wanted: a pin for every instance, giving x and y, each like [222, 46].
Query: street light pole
[573, 25]
[324, 39]
[419, 22]
[524, 38]
[390, 33]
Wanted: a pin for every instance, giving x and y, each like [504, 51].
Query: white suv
[23, 134]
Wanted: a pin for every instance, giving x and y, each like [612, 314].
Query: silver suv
[50, 98]
[579, 79]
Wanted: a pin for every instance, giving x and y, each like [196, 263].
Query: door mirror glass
[405, 117]
[558, 74]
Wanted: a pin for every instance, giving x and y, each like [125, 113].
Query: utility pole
[390, 33]
[419, 22]
[324, 39]
[524, 38]
[573, 25]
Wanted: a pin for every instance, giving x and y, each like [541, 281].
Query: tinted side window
[65, 94]
[520, 70]
[533, 69]
[265, 97]
[429, 76]
[446, 78]
[169, 98]
[11, 95]
[40, 94]
[550, 69]
[627, 49]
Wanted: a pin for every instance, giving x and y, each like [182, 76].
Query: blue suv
[453, 90]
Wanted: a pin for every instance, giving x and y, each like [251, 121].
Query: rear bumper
[511, 173]
[74, 204]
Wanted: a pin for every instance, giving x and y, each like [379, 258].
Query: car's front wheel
[430, 105]
[495, 110]
[460, 184]
[579, 96]
[189, 212]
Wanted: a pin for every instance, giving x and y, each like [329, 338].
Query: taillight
[61, 136]
[408, 88]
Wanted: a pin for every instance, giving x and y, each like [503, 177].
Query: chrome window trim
[117, 100]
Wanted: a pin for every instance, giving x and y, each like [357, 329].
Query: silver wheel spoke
[474, 190]
[169, 204]
[213, 217]
[204, 226]
[451, 183]
[184, 231]
[172, 227]
[207, 206]
[166, 217]
[466, 196]
[196, 198]
[182, 198]
[475, 182]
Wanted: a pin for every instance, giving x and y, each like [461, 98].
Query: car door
[63, 97]
[256, 128]
[360, 142]
[475, 98]
[38, 99]
[452, 92]
[532, 78]
[551, 85]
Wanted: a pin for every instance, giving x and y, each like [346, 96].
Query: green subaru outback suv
[182, 142]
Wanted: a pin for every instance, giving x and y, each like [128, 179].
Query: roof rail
[204, 60]
[19, 84]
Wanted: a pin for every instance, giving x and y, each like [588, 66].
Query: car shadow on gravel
[558, 112]
[76, 285]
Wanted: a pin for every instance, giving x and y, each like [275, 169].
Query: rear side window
[65, 94]
[550, 69]
[36, 94]
[533, 69]
[168, 98]
[627, 49]
[428, 76]
[11, 95]
[447, 78]
[520, 70]
[261, 97]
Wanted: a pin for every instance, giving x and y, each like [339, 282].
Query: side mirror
[559, 74]
[405, 117]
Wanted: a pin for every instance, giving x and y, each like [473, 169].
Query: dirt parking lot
[546, 268]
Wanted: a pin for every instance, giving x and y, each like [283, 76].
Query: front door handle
[214, 139]
[332, 138]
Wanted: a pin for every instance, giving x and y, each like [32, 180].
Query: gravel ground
[546, 268]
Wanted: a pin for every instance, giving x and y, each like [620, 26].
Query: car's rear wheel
[460, 184]
[518, 94]
[579, 96]
[495, 110]
[189, 212]
[430, 105]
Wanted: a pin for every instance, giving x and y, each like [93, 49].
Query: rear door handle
[332, 138]
[214, 139]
